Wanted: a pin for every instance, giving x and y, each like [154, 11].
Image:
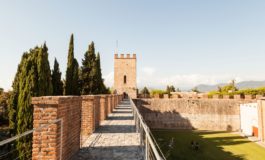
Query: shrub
[158, 92]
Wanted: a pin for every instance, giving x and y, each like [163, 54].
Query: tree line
[169, 88]
[231, 90]
[35, 78]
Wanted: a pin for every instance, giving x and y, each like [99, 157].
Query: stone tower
[125, 74]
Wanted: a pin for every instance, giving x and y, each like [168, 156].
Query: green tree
[76, 81]
[195, 89]
[231, 87]
[33, 78]
[88, 71]
[91, 76]
[1, 90]
[56, 79]
[145, 92]
[43, 67]
[100, 86]
[219, 89]
[170, 89]
[4, 96]
[158, 92]
[72, 76]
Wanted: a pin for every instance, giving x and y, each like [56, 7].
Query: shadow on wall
[165, 120]
[173, 119]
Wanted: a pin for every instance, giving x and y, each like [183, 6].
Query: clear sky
[183, 43]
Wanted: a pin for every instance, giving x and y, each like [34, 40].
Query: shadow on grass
[210, 148]
[210, 145]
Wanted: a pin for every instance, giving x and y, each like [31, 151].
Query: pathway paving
[115, 139]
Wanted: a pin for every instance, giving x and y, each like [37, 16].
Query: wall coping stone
[88, 97]
[52, 99]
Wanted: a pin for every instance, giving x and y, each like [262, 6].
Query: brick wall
[109, 104]
[97, 111]
[77, 117]
[113, 102]
[103, 107]
[88, 114]
[120, 98]
[49, 142]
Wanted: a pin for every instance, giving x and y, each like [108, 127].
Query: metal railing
[10, 143]
[151, 149]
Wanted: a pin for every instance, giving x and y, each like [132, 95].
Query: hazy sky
[183, 43]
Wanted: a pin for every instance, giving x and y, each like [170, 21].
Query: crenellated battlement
[125, 74]
[125, 56]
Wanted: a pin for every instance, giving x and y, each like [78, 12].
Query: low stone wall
[62, 123]
[201, 114]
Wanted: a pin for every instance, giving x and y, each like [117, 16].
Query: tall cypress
[71, 81]
[43, 68]
[88, 71]
[33, 78]
[100, 86]
[56, 79]
[76, 84]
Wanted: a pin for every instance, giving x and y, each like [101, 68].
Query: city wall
[62, 123]
[201, 114]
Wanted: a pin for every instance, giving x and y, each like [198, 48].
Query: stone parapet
[89, 115]
[54, 118]
[63, 123]
[103, 107]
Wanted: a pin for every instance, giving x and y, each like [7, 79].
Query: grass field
[212, 146]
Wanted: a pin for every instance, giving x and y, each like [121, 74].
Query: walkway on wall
[115, 139]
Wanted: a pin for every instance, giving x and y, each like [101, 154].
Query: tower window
[124, 79]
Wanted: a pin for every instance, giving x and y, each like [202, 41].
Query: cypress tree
[100, 87]
[43, 68]
[33, 78]
[91, 76]
[56, 79]
[88, 71]
[145, 92]
[71, 81]
[76, 84]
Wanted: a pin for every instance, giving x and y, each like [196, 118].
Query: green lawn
[212, 146]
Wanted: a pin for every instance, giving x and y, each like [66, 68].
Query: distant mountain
[240, 85]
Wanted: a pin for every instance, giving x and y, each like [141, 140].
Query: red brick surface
[48, 141]
[78, 117]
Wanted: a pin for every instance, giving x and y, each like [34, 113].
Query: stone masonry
[125, 75]
[63, 123]
[201, 114]
[116, 138]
